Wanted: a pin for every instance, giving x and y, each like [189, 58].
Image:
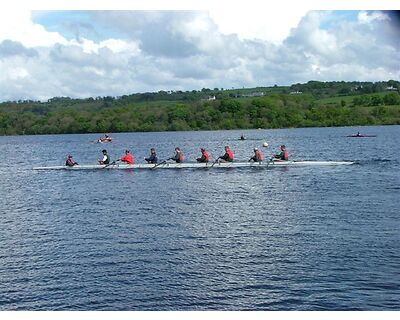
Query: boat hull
[200, 165]
[361, 136]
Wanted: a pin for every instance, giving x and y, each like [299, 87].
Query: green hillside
[313, 104]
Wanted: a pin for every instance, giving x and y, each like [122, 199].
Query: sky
[49, 50]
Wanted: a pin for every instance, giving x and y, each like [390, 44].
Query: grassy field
[347, 99]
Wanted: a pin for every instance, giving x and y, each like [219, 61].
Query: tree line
[278, 107]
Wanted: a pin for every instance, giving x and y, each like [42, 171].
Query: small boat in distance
[104, 139]
[359, 135]
[243, 138]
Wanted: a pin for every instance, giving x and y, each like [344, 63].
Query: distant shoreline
[314, 104]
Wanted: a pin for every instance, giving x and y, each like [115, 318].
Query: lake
[300, 238]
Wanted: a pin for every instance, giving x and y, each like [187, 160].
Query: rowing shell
[201, 165]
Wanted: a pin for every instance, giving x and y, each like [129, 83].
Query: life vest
[69, 162]
[285, 155]
[230, 155]
[152, 158]
[128, 158]
[206, 156]
[258, 156]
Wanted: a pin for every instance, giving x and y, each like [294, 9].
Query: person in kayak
[283, 155]
[257, 156]
[106, 158]
[153, 156]
[70, 162]
[228, 156]
[204, 156]
[106, 138]
[178, 157]
[127, 158]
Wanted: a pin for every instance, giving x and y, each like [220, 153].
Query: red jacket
[259, 155]
[128, 158]
[230, 154]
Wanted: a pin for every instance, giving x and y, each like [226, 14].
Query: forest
[312, 104]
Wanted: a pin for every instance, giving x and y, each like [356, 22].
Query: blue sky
[91, 53]
[71, 24]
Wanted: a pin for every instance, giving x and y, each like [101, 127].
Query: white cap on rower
[265, 144]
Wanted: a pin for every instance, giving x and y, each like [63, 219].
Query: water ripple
[284, 239]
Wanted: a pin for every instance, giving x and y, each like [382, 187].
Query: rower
[178, 157]
[70, 162]
[106, 158]
[228, 156]
[283, 155]
[257, 156]
[127, 158]
[242, 137]
[204, 156]
[153, 156]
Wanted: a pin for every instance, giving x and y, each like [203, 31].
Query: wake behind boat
[189, 165]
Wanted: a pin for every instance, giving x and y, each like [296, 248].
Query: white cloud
[16, 25]
[14, 73]
[312, 38]
[257, 22]
[152, 51]
[365, 17]
[115, 45]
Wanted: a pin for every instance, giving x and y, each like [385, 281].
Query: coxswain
[153, 156]
[127, 158]
[106, 158]
[70, 162]
[283, 155]
[204, 156]
[228, 156]
[257, 156]
[178, 157]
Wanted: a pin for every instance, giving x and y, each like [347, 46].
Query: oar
[216, 160]
[159, 164]
[112, 163]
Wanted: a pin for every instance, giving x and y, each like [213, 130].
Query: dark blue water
[312, 238]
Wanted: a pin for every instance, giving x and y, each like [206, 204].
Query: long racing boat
[188, 165]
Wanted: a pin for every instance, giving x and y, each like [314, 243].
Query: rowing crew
[128, 157]
[178, 157]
